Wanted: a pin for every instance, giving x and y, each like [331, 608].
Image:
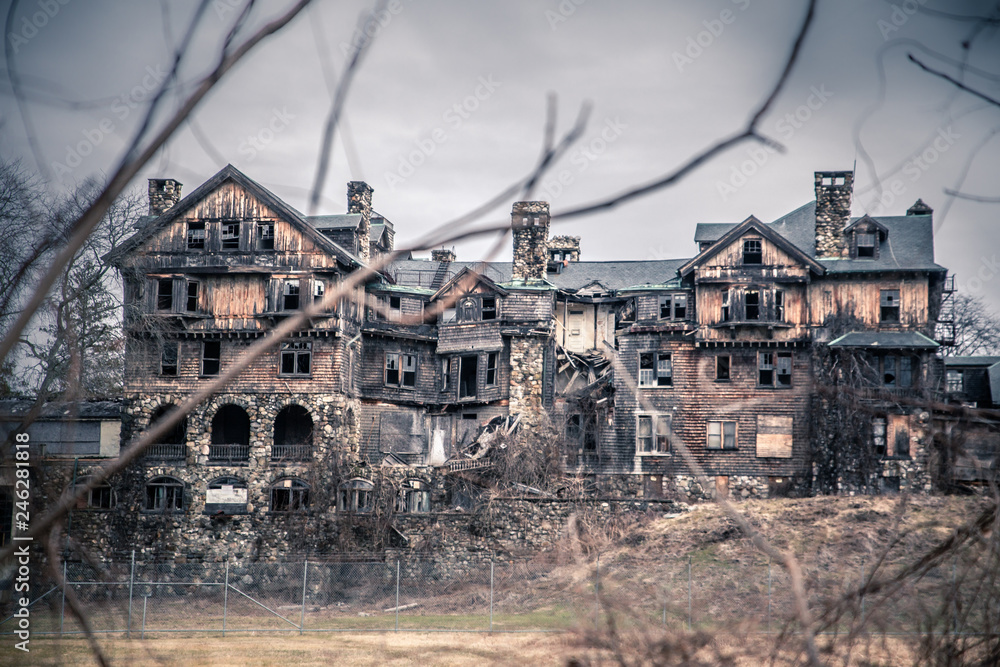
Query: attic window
[196, 236]
[889, 306]
[230, 236]
[489, 311]
[866, 245]
[265, 236]
[752, 253]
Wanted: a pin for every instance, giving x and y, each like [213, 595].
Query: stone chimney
[529, 221]
[919, 208]
[833, 212]
[359, 200]
[443, 255]
[566, 246]
[163, 193]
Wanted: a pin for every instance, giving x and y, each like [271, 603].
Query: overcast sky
[448, 109]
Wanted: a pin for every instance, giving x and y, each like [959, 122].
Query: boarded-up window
[774, 437]
[721, 486]
[899, 436]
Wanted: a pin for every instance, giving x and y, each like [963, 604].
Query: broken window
[765, 368]
[230, 436]
[168, 358]
[319, 289]
[779, 305]
[355, 495]
[878, 435]
[165, 294]
[265, 236]
[296, 358]
[192, 297]
[226, 495]
[721, 434]
[165, 495]
[101, 497]
[955, 381]
[784, 369]
[673, 307]
[489, 308]
[752, 253]
[400, 369]
[468, 376]
[445, 374]
[899, 371]
[752, 301]
[448, 315]
[722, 367]
[395, 309]
[653, 434]
[680, 306]
[293, 432]
[865, 244]
[289, 495]
[290, 295]
[211, 357]
[889, 306]
[468, 310]
[647, 369]
[230, 236]
[196, 236]
[414, 497]
[666, 307]
[491, 369]
[726, 312]
[774, 369]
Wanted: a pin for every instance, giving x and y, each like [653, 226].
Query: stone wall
[833, 211]
[530, 225]
[163, 193]
[527, 367]
[569, 245]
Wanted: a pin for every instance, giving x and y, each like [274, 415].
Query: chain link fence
[693, 592]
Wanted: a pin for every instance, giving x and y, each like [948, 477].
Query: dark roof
[993, 372]
[17, 408]
[615, 276]
[961, 361]
[710, 232]
[893, 340]
[341, 221]
[764, 230]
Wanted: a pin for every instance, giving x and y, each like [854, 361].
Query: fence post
[305, 571]
[491, 595]
[862, 590]
[954, 593]
[145, 598]
[397, 595]
[768, 595]
[225, 599]
[131, 581]
[597, 592]
[689, 593]
[62, 610]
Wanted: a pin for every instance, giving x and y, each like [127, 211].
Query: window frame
[954, 381]
[755, 256]
[297, 491]
[756, 292]
[870, 249]
[488, 309]
[265, 236]
[192, 301]
[350, 494]
[414, 497]
[164, 300]
[227, 241]
[164, 504]
[196, 241]
[722, 435]
[204, 357]
[404, 366]
[719, 372]
[670, 304]
[491, 368]
[291, 294]
[657, 440]
[890, 310]
[296, 351]
[779, 366]
[164, 355]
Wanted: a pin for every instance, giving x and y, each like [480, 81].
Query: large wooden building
[737, 355]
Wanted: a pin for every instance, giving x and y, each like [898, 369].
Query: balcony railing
[229, 454]
[291, 452]
[167, 451]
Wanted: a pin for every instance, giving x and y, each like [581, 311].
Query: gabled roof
[231, 173]
[892, 340]
[866, 220]
[479, 278]
[338, 221]
[739, 230]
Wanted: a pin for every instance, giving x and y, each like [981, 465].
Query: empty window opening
[168, 358]
[889, 306]
[196, 236]
[470, 415]
[445, 374]
[752, 253]
[230, 435]
[491, 369]
[211, 357]
[192, 297]
[468, 309]
[726, 311]
[319, 290]
[753, 304]
[395, 309]
[866, 245]
[721, 435]
[290, 295]
[680, 306]
[296, 358]
[414, 497]
[289, 495]
[775, 369]
[722, 367]
[230, 236]
[165, 294]
[101, 497]
[400, 370]
[489, 311]
[293, 434]
[779, 305]
[673, 307]
[170, 445]
[265, 236]
[355, 495]
[164, 494]
[666, 307]
[467, 376]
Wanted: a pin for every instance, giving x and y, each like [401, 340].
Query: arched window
[355, 495]
[169, 446]
[101, 497]
[289, 495]
[230, 436]
[293, 429]
[226, 495]
[414, 497]
[165, 495]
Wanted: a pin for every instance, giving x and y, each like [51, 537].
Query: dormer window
[752, 252]
[866, 245]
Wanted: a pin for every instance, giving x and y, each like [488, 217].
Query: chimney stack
[919, 208]
[529, 221]
[833, 212]
[567, 247]
[359, 200]
[163, 193]
[443, 255]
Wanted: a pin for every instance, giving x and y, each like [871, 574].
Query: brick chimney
[359, 200]
[529, 221]
[833, 212]
[163, 193]
[443, 255]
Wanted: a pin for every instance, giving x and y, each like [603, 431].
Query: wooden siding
[859, 298]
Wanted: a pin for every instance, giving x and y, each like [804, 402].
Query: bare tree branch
[952, 80]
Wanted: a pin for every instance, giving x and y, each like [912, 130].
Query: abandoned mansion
[739, 358]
